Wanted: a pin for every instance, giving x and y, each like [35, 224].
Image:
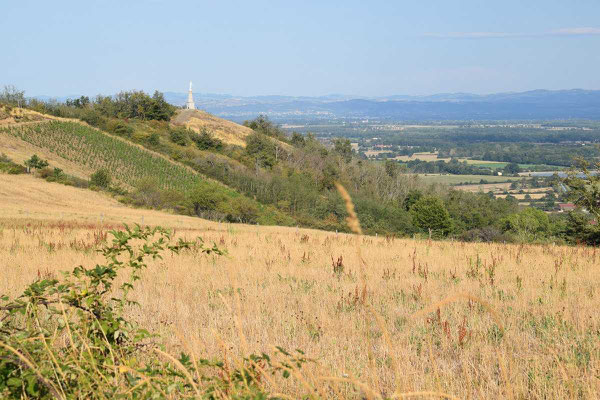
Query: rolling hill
[149, 176]
[227, 131]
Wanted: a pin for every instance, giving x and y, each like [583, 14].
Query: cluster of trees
[527, 153]
[454, 167]
[262, 124]
[13, 97]
[584, 191]
[125, 105]
[296, 174]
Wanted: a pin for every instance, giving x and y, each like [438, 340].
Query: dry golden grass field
[485, 187]
[521, 196]
[473, 321]
[229, 132]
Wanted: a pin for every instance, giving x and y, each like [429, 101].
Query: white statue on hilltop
[190, 101]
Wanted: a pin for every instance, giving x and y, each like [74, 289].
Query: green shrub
[4, 113]
[16, 170]
[119, 128]
[244, 210]
[45, 173]
[205, 140]
[528, 225]
[153, 139]
[7, 166]
[101, 178]
[261, 149]
[94, 118]
[179, 136]
[205, 198]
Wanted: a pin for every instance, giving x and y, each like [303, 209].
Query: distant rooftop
[567, 206]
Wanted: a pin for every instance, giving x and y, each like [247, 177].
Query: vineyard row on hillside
[89, 147]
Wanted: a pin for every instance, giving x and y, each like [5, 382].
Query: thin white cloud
[470, 35]
[578, 31]
[582, 31]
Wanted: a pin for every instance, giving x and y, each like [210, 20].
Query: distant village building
[566, 207]
[190, 101]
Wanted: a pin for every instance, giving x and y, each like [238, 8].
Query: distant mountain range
[531, 105]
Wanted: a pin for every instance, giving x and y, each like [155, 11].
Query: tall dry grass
[412, 319]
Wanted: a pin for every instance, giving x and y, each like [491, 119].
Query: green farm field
[465, 179]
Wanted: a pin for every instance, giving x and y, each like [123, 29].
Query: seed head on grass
[352, 219]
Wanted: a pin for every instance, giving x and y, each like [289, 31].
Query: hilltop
[226, 131]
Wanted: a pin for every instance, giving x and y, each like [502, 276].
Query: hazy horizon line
[356, 96]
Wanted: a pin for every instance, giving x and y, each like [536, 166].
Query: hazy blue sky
[299, 47]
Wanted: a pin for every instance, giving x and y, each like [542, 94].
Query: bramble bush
[10, 167]
[70, 338]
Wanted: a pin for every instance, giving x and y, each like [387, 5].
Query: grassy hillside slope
[19, 150]
[535, 337]
[26, 197]
[227, 131]
[94, 149]
[88, 149]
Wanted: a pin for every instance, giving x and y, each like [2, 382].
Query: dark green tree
[264, 125]
[101, 178]
[204, 198]
[297, 139]
[330, 176]
[35, 163]
[583, 183]
[343, 148]
[512, 169]
[411, 198]
[261, 149]
[153, 139]
[430, 215]
[205, 140]
[391, 168]
[159, 109]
